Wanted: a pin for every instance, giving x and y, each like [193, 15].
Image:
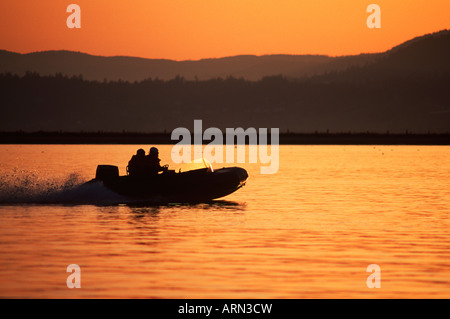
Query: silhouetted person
[153, 162]
[137, 166]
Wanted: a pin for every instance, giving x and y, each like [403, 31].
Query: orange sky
[195, 29]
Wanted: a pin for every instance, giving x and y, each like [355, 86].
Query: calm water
[309, 231]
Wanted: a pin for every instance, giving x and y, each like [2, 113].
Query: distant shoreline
[164, 138]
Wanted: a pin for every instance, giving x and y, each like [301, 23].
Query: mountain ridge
[249, 67]
[402, 90]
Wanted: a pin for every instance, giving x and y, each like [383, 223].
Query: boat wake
[20, 187]
[24, 187]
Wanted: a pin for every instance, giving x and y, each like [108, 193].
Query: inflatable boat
[194, 186]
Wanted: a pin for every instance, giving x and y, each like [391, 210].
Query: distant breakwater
[318, 138]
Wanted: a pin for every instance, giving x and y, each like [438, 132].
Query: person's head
[140, 153]
[153, 151]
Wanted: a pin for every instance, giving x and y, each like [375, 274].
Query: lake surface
[308, 231]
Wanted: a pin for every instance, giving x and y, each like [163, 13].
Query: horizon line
[229, 56]
[166, 132]
[196, 60]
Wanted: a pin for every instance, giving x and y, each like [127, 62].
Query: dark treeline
[353, 101]
[318, 138]
[404, 89]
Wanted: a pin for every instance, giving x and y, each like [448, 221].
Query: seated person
[137, 164]
[153, 162]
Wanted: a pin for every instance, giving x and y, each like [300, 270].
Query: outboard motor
[106, 172]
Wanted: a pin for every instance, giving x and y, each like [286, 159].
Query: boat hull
[188, 187]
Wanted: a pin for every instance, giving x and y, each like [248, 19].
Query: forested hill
[405, 90]
[248, 67]
[133, 69]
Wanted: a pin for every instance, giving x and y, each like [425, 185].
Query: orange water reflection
[308, 231]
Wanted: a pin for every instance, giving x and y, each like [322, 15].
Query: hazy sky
[195, 29]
